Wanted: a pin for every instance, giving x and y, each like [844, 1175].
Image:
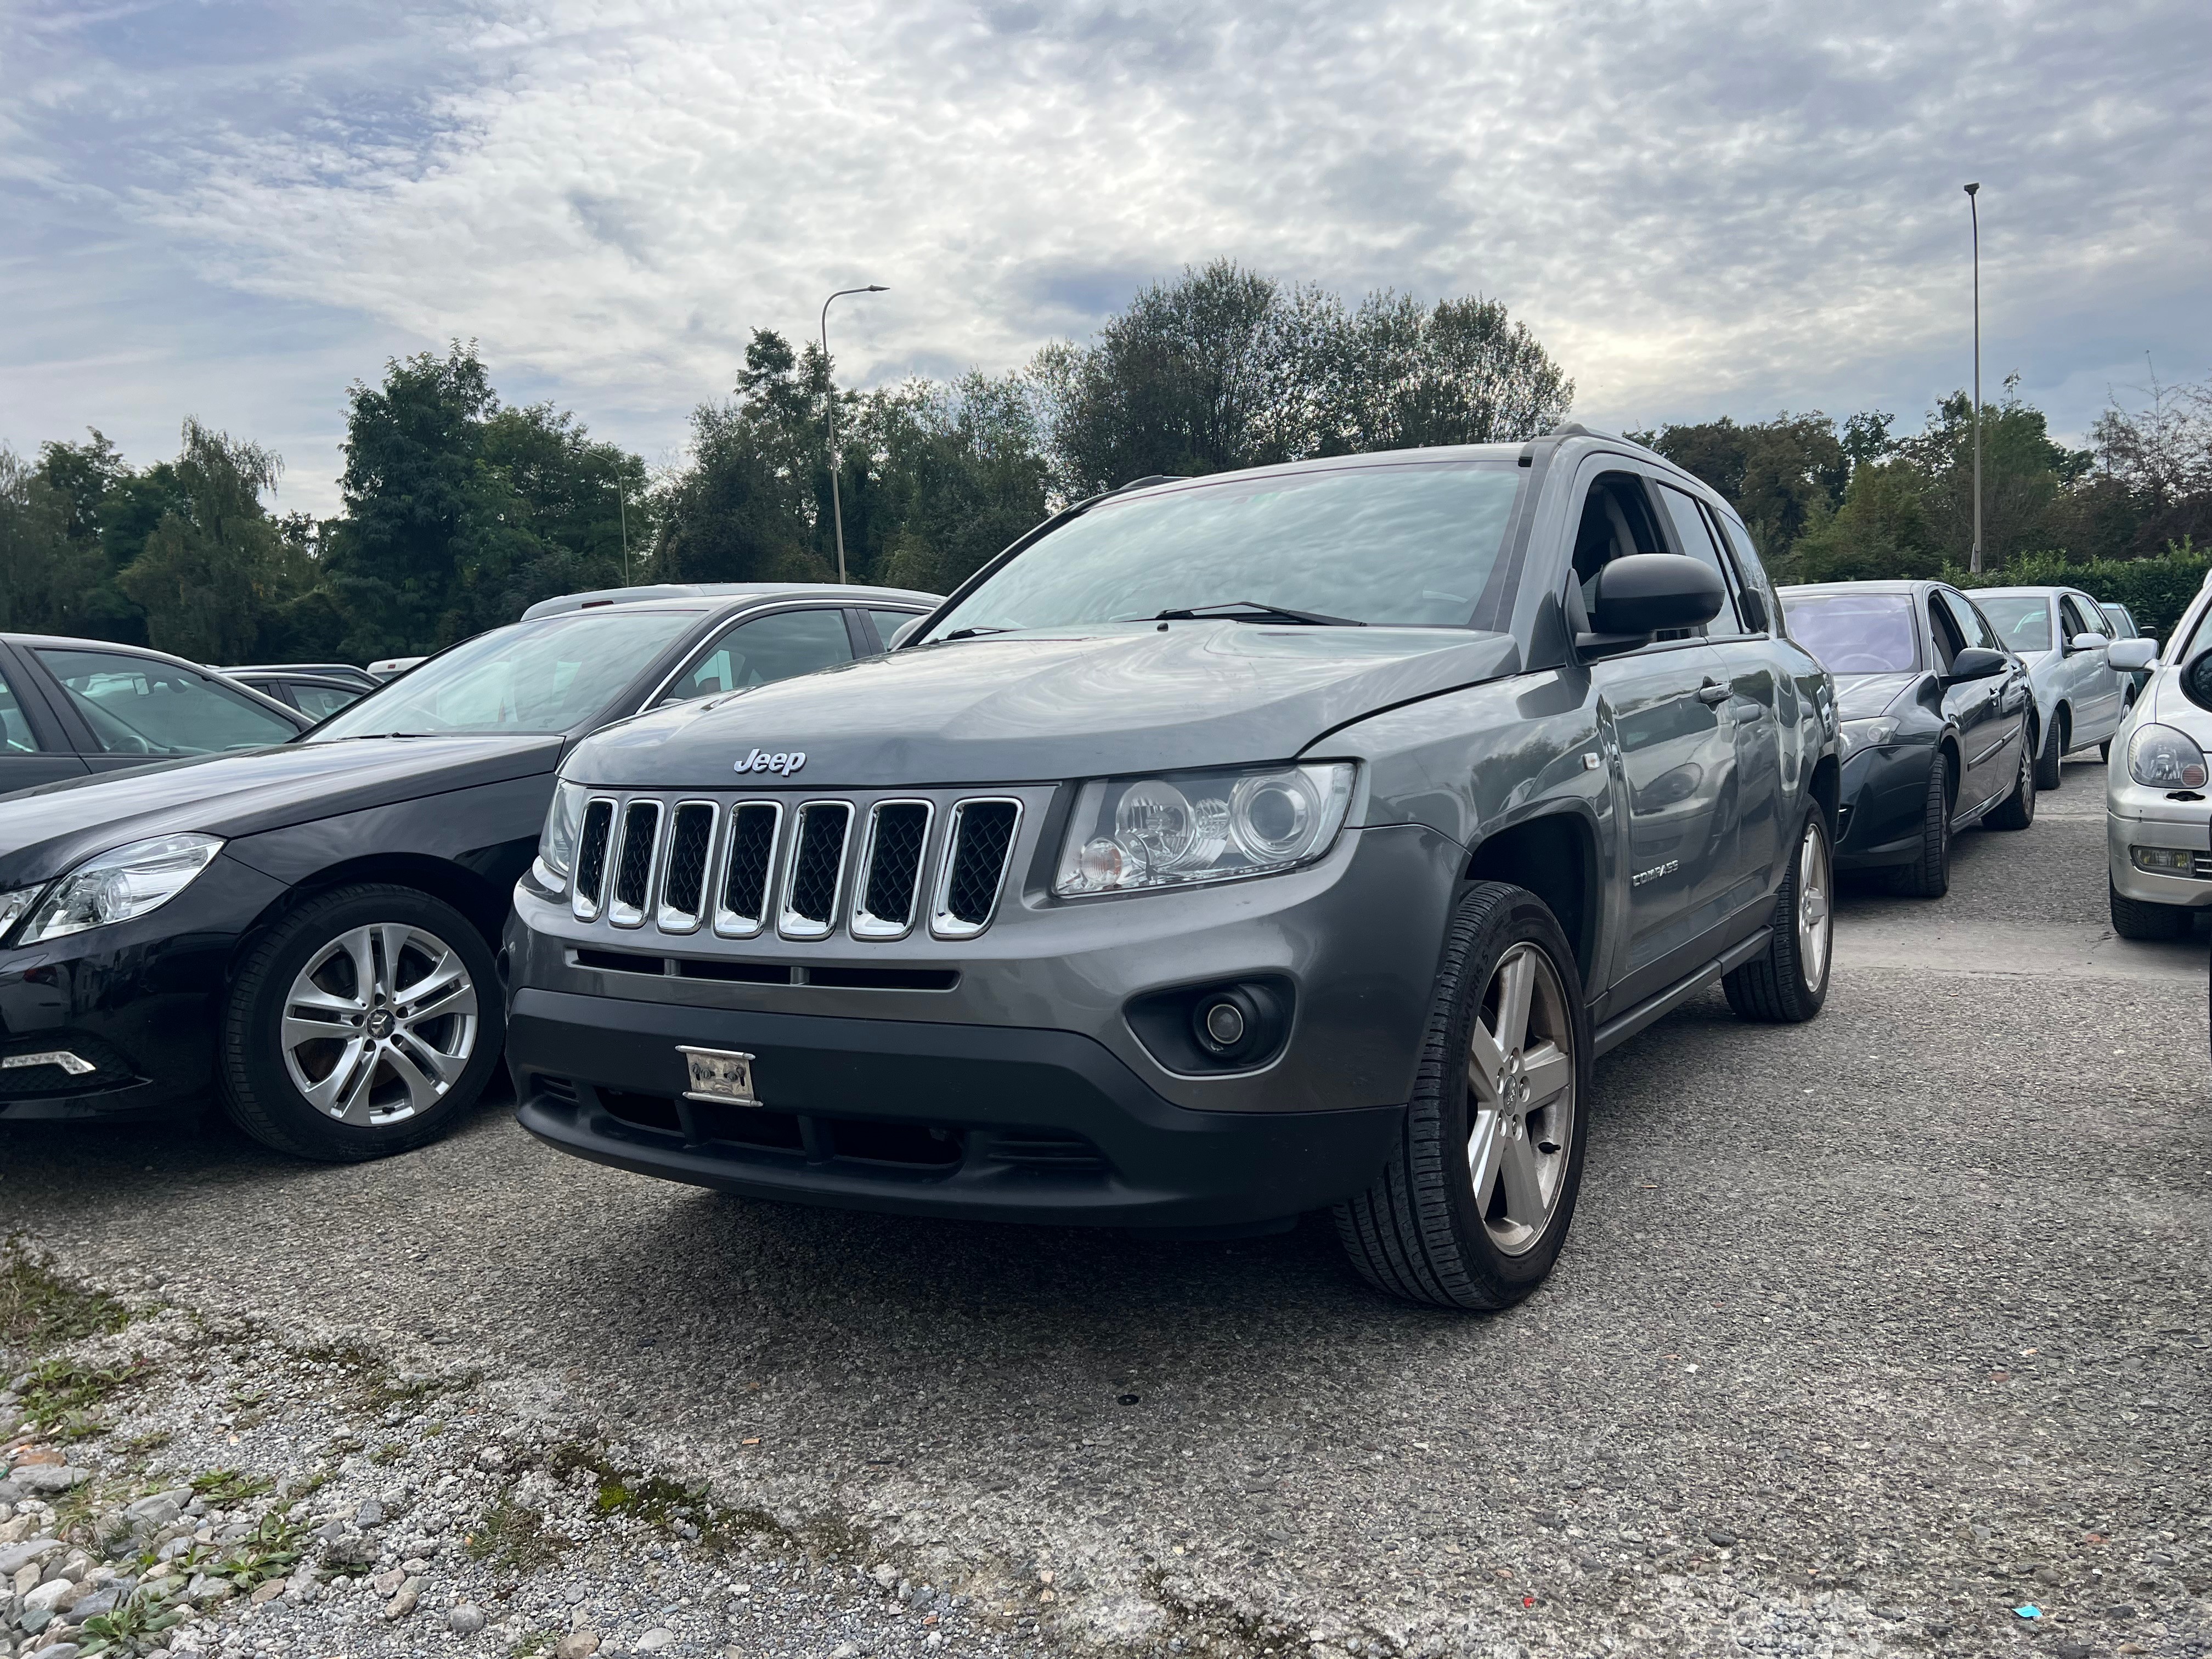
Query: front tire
[1929, 874]
[1472, 1207]
[1789, 983]
[2049, 763]
[2138, 919]
[2017, 810]
[365, 1023]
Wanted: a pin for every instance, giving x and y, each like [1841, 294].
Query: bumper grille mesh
[592, 855]
[893, 875]
[816, 862]
[634, 861]
[983, 833]
[752, 857]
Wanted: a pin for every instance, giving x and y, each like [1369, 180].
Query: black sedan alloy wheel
[364, 1023]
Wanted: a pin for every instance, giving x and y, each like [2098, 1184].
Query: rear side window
[889, 623]
[143, 706]
[319, 702]
[1971, 625]
[15, 735]
[777, 646]
[2022, 620]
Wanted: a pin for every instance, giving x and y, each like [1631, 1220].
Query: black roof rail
[1143, 483]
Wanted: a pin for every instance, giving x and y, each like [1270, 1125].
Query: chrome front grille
[875, 870]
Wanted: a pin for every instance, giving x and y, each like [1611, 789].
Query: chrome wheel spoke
[329, 1093]
[1485, 1065]
[455, 998]
[406, 1034]
[1516, 979]
[1550, 1071]
[445, 1066]
[1522, 1185]
[1482, 1156]
[1521, 1098]
[422, 1089]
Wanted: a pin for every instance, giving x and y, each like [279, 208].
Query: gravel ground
[1885, 1334]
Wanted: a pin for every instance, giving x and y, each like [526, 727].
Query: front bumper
[1883, 792]
[139, 1001]
[2136, 817]
[974, 1122]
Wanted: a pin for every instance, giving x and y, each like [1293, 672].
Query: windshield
[1854, 633]
[1413, 545]
[534, 676]
[2022, 620]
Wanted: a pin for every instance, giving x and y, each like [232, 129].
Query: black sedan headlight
[118, 885]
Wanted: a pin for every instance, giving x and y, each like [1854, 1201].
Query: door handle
[1713, 692]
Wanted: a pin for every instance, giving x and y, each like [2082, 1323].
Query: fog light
[2164, 860]
[1225, 1024]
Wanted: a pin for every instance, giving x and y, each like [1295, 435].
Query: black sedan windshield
[1855, 632]
[545, 676]
[1414, 544]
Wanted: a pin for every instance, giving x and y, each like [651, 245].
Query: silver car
[2157, 818]
[2063, 635]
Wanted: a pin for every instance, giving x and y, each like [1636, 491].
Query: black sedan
[311, 928]
[74, 707]
[1939, 725]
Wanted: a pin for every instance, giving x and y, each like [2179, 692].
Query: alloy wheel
[1814, 923]
[380, 1024]
[1521, 1098]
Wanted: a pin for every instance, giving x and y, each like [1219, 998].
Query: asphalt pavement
[1886, 1333]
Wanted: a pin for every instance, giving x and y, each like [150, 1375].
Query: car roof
[1892, 585]
[594, 598]
[2038, 589]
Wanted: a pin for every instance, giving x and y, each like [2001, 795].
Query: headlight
[2163, 758]
[556, 845]
[1865, 734]
[118, 885]
[1201, 826]
[12, 906]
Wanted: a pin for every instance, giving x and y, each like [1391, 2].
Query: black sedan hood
[1863, 697]
[45, 831]
[1047, 704]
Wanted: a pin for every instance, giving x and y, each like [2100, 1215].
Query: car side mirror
[1975, 662]
[2132, 656]
[1642, 593]
[2197, 679]
[903, 632]
[2086, 642]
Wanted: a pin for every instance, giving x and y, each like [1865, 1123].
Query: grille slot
[976, 850]
[683, 888]
[562, 1088]
[633, 863]
[1044, 1149]
[592, 856]
[621, 961]
[732, 973]
[817, 858]
[885, 897]
[741, 909]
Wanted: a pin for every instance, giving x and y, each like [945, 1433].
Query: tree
[2023, 472]
[1780, 474]
[1403, 376]
[44, 572]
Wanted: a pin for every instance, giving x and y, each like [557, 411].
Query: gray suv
[1227, 848]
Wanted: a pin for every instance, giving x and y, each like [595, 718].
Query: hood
[45, 831]
[1862, 696]
[1043, 705]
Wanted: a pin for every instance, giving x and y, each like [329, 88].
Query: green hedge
[2155, 591]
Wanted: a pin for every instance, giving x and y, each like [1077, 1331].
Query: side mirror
[2132, 656]
[2197, 679]
[1643, 593]
[1975, 662]
[903, 632]
[2086, 643]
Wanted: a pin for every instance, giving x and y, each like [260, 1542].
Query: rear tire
[2105, 751]
[1474, 1204]
[1929, 874]
[2139, 918]
[405, 988]
[1788, 984]
[2048, 764]
[2017, 810]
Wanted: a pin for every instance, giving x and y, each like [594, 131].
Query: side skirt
[1617, 1031]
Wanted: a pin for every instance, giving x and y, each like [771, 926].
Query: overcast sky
[232, 210]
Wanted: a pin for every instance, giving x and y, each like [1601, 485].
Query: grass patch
[134, 1627]
[514, 1536]
[144, 1445]
[389, 1453]
[534, 1643]
[271, 1551]
[226, 1489]
[59, 1398]
[39, 1310]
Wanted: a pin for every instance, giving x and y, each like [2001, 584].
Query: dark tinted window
[1855, 632]
[1970, 624]
[15, 736]
[1697, 541]
[143, 706]
[776, 646]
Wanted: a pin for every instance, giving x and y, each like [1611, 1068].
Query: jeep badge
[783, 765]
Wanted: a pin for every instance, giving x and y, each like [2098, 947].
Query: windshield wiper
[1253, 610]
[976, 633]
[371, 737]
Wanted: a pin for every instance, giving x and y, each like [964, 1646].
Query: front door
[32, 749]
[1987, 711]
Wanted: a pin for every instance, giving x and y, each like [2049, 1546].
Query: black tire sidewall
[257, 1090]
[1520, 918]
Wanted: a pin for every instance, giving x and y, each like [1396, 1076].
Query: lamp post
[837, 506]
[1974, 212]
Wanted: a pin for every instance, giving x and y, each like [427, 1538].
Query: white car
[2063, 636]
[2158, 820]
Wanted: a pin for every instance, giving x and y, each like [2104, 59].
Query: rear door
[2104, 688]
[33, 748]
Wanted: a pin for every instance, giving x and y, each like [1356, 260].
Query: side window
[2094, 615]
[1948, 640]
[16, 737]
[1616, 521]
[318, 702]
[1972, 628]
[1697, 542]
[2070, 619]
[776, 647]
[143, 706]
[889, 623]
[1747, 561]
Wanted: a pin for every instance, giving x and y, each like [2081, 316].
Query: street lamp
[1974, 212]
[836, 506]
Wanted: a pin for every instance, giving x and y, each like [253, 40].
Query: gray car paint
[1461, 736]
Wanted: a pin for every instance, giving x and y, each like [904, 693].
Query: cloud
[1701, 208]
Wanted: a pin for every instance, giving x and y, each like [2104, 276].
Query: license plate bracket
[721, 1076]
